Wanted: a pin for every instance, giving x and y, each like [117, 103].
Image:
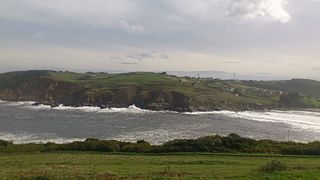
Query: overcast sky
[263, 37]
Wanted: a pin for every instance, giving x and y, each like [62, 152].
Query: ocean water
[21, 122]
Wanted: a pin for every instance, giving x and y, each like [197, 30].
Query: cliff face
[161, 100]
[42, 90]
[52, 92]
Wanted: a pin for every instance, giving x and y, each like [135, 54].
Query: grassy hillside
[72, 165]
[304, 86]
[155, 91]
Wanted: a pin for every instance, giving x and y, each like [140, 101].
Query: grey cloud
[131, 28]
[129, 63]
[252, 9]
[197, 34]
[213, 10]
[134, 57]
[94, 12]
[262, 73]
[115, 57]
[231, 62]
[164, 56]
[140, 56]
[40, 35]
[152, 55]
[122, 13]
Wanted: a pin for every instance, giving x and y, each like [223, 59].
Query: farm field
[84, 165]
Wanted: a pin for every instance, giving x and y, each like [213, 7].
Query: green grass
[69, 165]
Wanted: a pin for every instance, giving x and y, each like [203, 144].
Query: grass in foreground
[69, 165]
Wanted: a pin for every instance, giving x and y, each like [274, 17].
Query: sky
[271, 38]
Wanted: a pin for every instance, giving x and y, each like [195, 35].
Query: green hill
[303, 86]
[155, 91]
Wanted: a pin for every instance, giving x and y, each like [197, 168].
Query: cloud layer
[161, 35]
[253, 9]
[119, 12]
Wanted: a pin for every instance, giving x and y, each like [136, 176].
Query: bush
[235, 143]
[4, 143]
[89, 144]
[218, 144]
[273, 166]
[293, 99]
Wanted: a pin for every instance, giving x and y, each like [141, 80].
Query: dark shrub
[142, 142]
[5, 143]
[293, 99]
[210, 144]
[273, 166]
[235, 143]
[138, 147]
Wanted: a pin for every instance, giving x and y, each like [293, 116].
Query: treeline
[214, 144]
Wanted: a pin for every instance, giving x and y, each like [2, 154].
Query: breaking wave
[161, 135]
[30, 105]
[17, 103]
[297, 119]
[130, 109]
[25, 138]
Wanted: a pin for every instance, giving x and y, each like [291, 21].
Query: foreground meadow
[83, 165]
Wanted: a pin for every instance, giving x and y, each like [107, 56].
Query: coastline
[149, 91]
[271, 124]
[189, 110]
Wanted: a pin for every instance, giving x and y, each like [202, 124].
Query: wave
[130, 109]
[162, 135]
[208, 112]
[25, 138]
[306, 120]
[17, 103]
[30, 105]
[297, 119]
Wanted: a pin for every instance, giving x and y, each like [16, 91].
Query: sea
[22, 122]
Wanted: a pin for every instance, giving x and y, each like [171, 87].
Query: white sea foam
[38, 107]
[24, 138]
[18, 103]
[159, 136]
[207, 112]
[130, 109]
[297, 119]
[83, 108]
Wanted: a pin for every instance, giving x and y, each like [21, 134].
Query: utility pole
[234, 76]
[288, 135]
